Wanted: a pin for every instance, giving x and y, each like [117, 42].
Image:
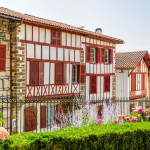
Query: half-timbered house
[53, 59]
[132, 75]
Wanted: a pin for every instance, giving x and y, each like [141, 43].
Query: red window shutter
[133, 82]
[139, 67]
[93, 84]
[59, 75]
[30, 119]
[43, 116]
[103, 55]
[88, 59]
[143, 82]
[34, 73]
[58, 108]
[64, 73]
[78, 73]
[82, 73]
[41, 73]
[98, 59]
[111, 56]
[2, 57]
[99, 113]
[106, 83]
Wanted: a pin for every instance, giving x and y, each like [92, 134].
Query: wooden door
[43, 116]
[30, 119]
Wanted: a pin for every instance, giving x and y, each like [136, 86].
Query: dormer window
[56, 38]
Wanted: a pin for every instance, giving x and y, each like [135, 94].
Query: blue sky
[128, 20]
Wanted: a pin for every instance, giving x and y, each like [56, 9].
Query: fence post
[7, 111]
[2, 106]
[16, 113]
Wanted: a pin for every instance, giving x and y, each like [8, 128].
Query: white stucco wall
[122, 90]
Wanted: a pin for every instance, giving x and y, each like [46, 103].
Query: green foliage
[1, 120]
[116, 136]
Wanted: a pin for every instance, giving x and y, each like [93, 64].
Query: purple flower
[144, 112]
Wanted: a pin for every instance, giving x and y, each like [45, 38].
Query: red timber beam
[82, 32]
[98, 45]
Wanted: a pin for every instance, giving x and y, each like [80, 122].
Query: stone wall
[5, 27]
[18, 65]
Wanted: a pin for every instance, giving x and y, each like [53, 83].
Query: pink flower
[127, 118]
[3, 134]
[99, 121]
[116, 121]
[136, 111]
[148, 116]
[122, 116]
[134, 120]
[139, 114]
[148, 108]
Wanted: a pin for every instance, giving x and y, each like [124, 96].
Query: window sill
[75, 82]
[93, 93]
[106, 91]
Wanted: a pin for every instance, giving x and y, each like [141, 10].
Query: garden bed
[133, 135]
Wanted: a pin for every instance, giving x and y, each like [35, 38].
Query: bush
[116, 136]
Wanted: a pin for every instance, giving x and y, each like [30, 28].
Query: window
[92, 84]
[78, 73]
[56, 38]
[37, 73]
[93, 55]
[2, 57]
[106, 56]
[133, 82]
[106, 83]
[93, 60]
[74, 73]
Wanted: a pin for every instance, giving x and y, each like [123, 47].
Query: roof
[8, 12]
[129, 60]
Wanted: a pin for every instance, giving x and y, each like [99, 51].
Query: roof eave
[75, 31]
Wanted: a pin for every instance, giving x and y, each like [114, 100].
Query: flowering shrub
[3, 134]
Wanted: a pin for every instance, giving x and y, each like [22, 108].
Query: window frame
[107, 56]
[76, 73]
[94, 55]
[56, 38]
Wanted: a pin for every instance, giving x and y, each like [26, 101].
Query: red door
[30, 119]
[99, 113]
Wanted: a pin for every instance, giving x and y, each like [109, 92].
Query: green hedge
[116, 136]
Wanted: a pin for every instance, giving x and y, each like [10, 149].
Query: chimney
[98, 30]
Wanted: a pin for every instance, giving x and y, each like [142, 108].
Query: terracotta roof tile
[8, 12]
[128, 59]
